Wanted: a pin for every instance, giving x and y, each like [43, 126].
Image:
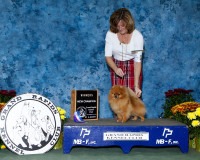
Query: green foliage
[6, 95]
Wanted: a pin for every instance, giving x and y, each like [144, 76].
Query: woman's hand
[138, 91]
[119, 72]
[112, 65]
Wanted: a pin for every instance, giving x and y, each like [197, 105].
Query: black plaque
[86, 102]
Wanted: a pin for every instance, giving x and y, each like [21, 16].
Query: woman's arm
[137, 72]
[113, 66]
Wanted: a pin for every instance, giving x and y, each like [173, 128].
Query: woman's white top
[121, 51]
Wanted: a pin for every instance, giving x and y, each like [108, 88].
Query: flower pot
[59, 143]
[197, 142]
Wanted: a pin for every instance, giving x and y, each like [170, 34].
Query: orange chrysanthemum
[185, 107]
[1, 106]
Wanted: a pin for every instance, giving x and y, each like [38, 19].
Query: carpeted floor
[110, 153]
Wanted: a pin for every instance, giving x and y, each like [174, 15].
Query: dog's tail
[139, 107]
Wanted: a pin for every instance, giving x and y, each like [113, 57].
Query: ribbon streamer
[135, 51]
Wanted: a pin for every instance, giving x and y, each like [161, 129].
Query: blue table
[107, 132]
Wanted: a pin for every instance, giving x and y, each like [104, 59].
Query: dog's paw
[135, 118]
[142, 119]
[124, 121]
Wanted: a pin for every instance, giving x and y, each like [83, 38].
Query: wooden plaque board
[86, 102]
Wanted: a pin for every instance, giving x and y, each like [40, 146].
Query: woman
[121, 40]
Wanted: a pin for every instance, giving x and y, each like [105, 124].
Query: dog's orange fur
[124, 102]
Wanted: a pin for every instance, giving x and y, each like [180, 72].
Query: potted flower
[180, 111]
[5, 96]
[174, 97]
[194, 126]
[62, 112]
[1, 143]
[185, 113]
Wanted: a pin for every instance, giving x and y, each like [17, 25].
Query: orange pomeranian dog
[124, 102]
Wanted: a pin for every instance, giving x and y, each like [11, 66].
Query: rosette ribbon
[77, 118]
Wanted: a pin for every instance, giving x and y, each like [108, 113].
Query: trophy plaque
[86, 102]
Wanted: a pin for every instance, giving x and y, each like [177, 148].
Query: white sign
[126, 136]
[30, 124]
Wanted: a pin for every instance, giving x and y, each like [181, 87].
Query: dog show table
[107, 132]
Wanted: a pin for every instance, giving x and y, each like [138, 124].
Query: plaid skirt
[128, 79]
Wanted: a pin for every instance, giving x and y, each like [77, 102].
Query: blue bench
[107, 132]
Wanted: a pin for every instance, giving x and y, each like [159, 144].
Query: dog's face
[117, 93]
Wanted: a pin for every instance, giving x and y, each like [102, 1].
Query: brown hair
[122, 14]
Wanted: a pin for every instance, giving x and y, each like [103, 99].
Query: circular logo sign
[30, 124]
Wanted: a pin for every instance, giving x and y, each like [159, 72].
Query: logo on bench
[167, 132]
[84, 132]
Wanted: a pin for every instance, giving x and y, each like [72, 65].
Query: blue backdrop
[50, 47]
